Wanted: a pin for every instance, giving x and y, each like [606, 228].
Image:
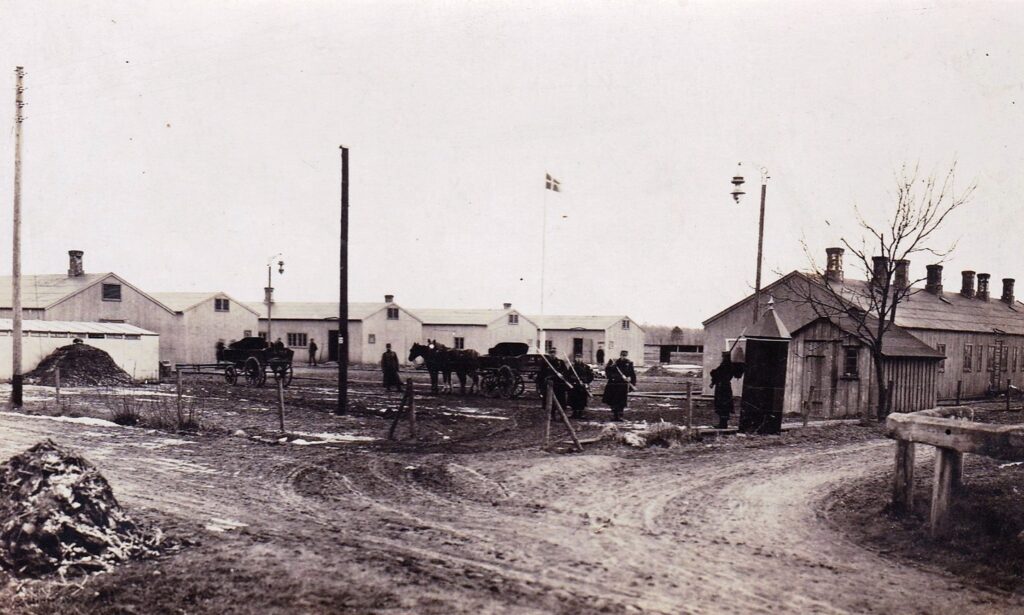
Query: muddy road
[487, 523]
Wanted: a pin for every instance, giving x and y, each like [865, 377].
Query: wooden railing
[952, 432]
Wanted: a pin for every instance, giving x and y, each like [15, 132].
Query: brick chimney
[389, 298]
[934, 281]
[967, 288]
[75, 267]
[879, 269]
[834, 265]
[901, 279]
[1007, 291]
[507, 306]
[983, 286]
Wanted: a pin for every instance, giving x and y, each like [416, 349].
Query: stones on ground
[80, 365]
[59, 515]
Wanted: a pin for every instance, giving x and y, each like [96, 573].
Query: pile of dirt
[80, 365]
[58, 514]
[659, 434]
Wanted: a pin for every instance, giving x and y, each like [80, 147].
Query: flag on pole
[550, 183]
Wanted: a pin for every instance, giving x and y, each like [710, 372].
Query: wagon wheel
[489, 385]
[254, 373]
[231, 374]
[282, 372]
[518, 388]
[506, 382]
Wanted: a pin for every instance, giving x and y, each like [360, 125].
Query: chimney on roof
[75, 267]
[934, 281]
[1007, 291]
[879, 270]
[389, 298]
[967, 288]
[507, 306]
[834, 265]
[902, 277]
[983, 286]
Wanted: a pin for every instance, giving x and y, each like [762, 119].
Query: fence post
[548, 396]
[903, 479]
[56, 381]
[280, 402]
[689, 409]
[412, 407]
[177, 374]
[959, 386]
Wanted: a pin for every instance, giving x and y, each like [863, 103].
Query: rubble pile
[659, 434]
[80, 365]
[58, 514]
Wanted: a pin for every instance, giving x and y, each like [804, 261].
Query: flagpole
[541, 334]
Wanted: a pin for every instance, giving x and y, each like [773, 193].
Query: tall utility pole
[16, 382]
[343, 292]
[760, 246]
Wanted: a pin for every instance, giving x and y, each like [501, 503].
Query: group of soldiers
[571, 383]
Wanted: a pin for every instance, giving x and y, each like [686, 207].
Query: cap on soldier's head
[624, 353]
[388, 346]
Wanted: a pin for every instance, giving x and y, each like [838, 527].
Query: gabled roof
[41, 292]
[183, 302]
[62, 326]
[466, 317]
[321, 310]
[581, 323]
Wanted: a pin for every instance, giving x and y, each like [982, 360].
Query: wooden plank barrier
[952, 432]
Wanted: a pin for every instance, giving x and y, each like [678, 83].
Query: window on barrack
[513, 319]
[392, 313]
[968, 357]
[297, 340]
[625, 324]
[851, 365]
[942, 364]
[221, 305]
[460, 343]
[111, 292]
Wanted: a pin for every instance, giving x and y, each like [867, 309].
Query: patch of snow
[1012, 463]
[335, 437]
[224, 525]
[81, 420]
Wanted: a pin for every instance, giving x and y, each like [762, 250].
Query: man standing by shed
[312, 352]
[389, 364]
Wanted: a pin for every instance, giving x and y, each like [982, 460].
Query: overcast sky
[182, 144]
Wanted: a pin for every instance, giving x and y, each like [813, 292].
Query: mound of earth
[80, 365]
[58, 514]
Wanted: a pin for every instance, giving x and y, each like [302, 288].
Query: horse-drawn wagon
[251, 358]
[506, 368]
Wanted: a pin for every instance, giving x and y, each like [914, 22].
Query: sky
[183, 144]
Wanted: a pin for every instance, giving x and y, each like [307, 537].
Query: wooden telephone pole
[16, 380]
[343, 293]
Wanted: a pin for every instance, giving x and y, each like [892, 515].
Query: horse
[441, 359]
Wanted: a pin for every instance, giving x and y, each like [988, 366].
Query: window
[263, 335]
[247, 333]
[941, 348]
[130, 336]
[549, 345]
[111, 292]
[371, 338]
[968, 357]
[991, 357]
[392, 313]
[513, 319]
[978, 357]
[625, 324]
[460, 342]
[221, 305]
[1004, 360]
[297, 340]
[96, 336]
[1013, 366]
[851, 368]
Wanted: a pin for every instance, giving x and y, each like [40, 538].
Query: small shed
[135, 350]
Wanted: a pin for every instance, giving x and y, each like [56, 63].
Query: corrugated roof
[585, 323]
[312, 310]
[62, 326]
[662, 335]
[42, 291]
[185, 301]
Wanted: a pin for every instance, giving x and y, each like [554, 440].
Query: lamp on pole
[268, 291]
[737, 193]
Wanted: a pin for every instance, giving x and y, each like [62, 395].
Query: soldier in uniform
[580, 377]
[721, 381]
[554, 369]
[389, 365]
[621, 376]
[312, 352]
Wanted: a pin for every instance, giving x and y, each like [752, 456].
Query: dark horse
[440, 358]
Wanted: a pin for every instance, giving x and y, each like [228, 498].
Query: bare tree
[867, 311]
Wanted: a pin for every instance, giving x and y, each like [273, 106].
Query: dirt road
[365, 528]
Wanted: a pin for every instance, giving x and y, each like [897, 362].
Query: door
[577, 346]
[332, 345]
[814, 368]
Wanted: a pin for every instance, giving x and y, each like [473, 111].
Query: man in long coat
[721, 381]
[621, 376]
[389, 364]
[580, 377]
[554, 369]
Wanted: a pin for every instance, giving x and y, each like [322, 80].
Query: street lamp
[737, 193]
[268, 290]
